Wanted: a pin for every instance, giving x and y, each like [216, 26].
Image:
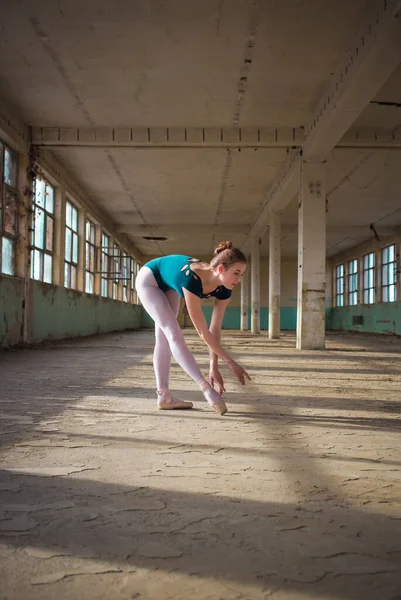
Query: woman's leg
[162, 353]
[155, 302]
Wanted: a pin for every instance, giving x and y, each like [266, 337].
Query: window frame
[369, 278]
[71, 264]
[339, 284]
[90, 256]
[49, 217]
[353, 282]
[389, 271]
[126, 276]
[116, 270]
[8, 189]
[105, 264]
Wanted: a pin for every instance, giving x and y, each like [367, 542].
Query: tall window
[116, 270]
[8, 208]
[369, 291]
[353, 282]
[135, 266]
[71, 246]
[389, 274]
[90, 253]
[105, 266]
[126, 276]
[340, 285]
[42, 231]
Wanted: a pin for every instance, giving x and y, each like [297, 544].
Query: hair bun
[223, 246]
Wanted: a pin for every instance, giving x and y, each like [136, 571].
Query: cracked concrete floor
[294, 494]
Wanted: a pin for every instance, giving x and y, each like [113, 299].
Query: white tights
[163, 308]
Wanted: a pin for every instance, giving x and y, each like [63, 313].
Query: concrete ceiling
[186, 64]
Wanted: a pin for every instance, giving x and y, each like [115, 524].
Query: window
[42, 231]
[135, 266]
[389, 274]
[126, 277]
[8, 208]
[369, 291]
[105, 260]
[353, 282]
[71, 246]
[116, 270]
[90, 253]
[340, 285]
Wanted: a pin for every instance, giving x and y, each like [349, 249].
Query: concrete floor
[294, 494]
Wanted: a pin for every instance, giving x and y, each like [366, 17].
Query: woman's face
[232, 276]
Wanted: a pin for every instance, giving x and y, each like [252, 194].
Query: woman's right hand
[238, 371]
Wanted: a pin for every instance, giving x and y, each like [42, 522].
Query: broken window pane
[36, 264]
[47, 274]
[68, 214]
[49, 233]
[89, 283]
[7, 256]
[66, 275]
[39, 226]
[49, 198]
[10, 213]
[73, 283]
[10, 168]
[74, 248]
[39, 192]
[74, 219]
[68, 244]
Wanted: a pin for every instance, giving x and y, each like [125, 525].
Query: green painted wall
[232, 318]
[11, 315]
[377, 318]
[59, 313]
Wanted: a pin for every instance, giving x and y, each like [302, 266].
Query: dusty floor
[294, 494]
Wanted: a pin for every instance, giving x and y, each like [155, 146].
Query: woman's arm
[195, 312]
[215, 326]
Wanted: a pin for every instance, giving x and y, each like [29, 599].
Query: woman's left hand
[215, 377]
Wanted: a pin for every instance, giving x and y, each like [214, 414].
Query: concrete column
[98, 260]
[23, 252]
[398, 263]
[378, 275]
[59, 235]
[81, 270]
[244, 301]
[274, 274]
[311, 257]
[360, 281]
[255, 285]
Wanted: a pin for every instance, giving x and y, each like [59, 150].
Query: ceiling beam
[168, 137]
[373, 56]
[183, 229]
[178, 229]
[256, 137]
[349, 230]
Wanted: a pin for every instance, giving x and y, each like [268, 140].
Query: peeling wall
[11, 315]
[59, 313]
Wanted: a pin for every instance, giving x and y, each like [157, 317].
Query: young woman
[159, 284]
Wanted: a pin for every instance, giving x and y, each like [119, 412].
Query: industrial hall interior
[200, 208]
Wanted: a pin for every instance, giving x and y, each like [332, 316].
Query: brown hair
[226, 255]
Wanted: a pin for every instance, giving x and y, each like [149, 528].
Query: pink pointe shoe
[166, 401]
[213, 399]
